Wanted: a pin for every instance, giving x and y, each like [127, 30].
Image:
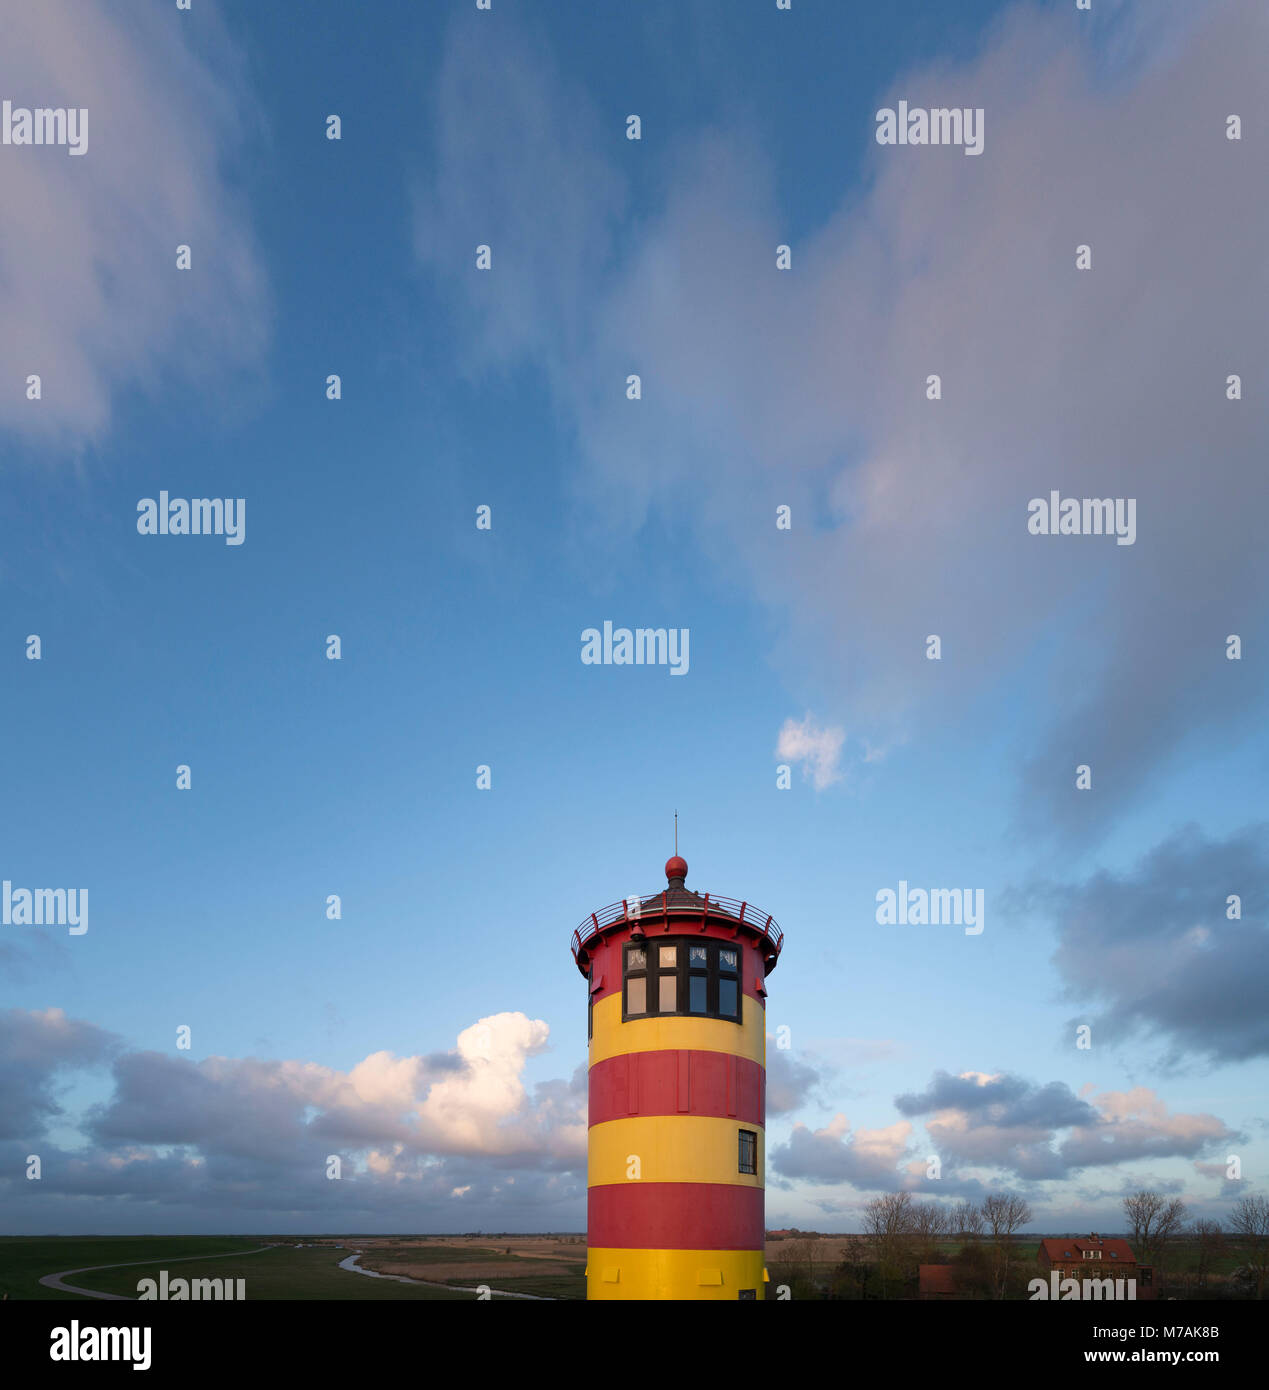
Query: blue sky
[460, 647]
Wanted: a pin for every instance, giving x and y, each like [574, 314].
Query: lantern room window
[682, 977]
[637, 996]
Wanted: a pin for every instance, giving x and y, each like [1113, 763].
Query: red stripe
[674, 1216]
[683, 1081]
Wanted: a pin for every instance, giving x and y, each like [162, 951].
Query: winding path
[54, 1281]
[351, 1264]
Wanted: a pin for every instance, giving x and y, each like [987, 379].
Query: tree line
[900, 1233]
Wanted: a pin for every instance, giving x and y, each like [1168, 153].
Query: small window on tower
[727, 961]
[669, 957]
[668, 996]
[698, 957]
[696, 998]
[748, 1151]
[636, 958]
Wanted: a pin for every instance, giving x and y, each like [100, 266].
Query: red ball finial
[676, 868]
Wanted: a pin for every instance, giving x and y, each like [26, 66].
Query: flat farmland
[291, 1267]
[543, 1266]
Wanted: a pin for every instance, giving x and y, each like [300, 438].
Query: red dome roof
[676, 867]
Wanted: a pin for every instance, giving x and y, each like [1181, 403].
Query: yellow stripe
[681, 1274]
[671, 1148]
[610, 1037]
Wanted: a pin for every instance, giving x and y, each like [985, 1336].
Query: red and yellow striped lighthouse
[676, 1155]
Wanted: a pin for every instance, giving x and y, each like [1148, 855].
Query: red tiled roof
[938, 1279]
[1069, 1249]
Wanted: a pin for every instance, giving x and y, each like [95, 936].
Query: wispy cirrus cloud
[910, 514]
[90, 296]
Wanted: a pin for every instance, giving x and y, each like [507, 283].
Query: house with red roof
[1095, 1257]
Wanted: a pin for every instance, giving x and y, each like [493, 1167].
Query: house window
[748, 1151]
[682, 977]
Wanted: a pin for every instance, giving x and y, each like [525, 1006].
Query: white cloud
[90, 297]
[815, 749]
[1107, 383]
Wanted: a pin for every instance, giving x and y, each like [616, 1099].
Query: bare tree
[927, 1227]
[1249, 1220]
[1004, 1213]
[950, 1226]
[888, 1226]
[968, 1221]
[1209, 1241]
[1155, 1220]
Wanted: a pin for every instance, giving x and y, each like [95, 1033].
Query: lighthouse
[676, 1153]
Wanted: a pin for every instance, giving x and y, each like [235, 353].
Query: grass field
[25, 1259]
[287, 1272]
[279, 1273]
[545, 1266]
[542, 1265]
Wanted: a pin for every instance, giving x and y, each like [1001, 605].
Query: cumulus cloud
[1152, 951]
[1008, 1100]
[90, 297]
[1047, 1132]
[790, 1081]
[867, 1158]
[225, 1134]
[471, 1102]
[38, 1049]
